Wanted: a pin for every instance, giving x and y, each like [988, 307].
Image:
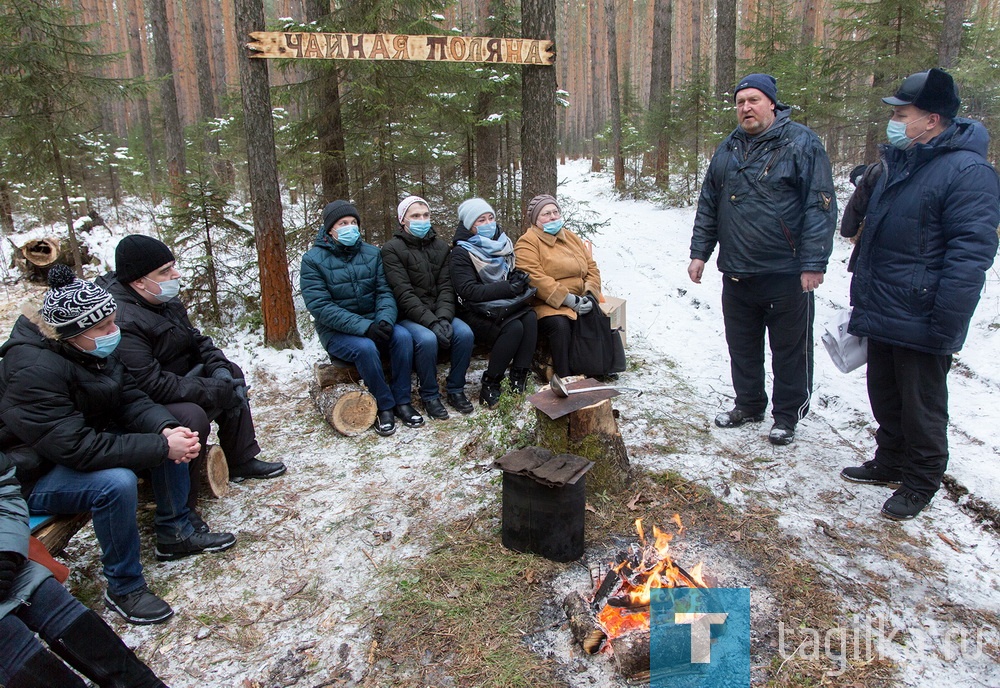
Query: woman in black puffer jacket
[494, 297]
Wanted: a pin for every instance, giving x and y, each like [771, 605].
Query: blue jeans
[50, 612]
[110, 496]
[366, 357]
[425, 353]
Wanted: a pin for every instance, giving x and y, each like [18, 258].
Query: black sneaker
[460, 403]
[435, 409]
[255, 468]
[736, 418]
[781, 435]
[385, 423]
[409, 415]
[196, 544]
[871, 473]
[139, 606]
[904, 504]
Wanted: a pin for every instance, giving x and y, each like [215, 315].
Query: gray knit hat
[536, 204]
[73, 305]
[470, 210]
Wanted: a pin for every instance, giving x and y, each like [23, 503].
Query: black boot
[489, 394]
[518, 380]
[44, 670]
[91, 647]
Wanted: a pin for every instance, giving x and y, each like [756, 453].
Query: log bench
[55, 531]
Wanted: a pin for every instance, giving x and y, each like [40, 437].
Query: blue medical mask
[419, 228]
[168, 290]
[104, 345]
[553, 227]
[488, 230]
[895, 132]
[348, 235]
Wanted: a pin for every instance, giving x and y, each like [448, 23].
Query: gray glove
[222, 374]
[584, 306]
[442, 330]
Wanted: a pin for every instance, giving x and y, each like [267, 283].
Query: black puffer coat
[768, 202]
[420, 277]
[470, 288]
[160, 346]
[930, 236]
[62, 406]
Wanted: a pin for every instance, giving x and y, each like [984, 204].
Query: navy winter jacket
[930, 236]
[344, 287]
[768, 202]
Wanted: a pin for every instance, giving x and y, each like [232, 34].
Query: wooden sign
[390, 46]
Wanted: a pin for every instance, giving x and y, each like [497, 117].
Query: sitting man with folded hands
[178, 366]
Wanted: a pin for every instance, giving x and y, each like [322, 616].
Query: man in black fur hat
[930, 236]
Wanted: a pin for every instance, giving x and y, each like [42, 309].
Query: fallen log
[347, 407]
[35, 257]
[582, 623]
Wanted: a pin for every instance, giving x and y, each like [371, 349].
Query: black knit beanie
[138, 255]
[336, 210]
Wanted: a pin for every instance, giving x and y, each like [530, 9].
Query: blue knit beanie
[765, 83]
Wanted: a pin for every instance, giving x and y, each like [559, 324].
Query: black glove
[222, 373]
[240, 387]
[10, 562]
[518, 281]
[385, 330]
[442, 330]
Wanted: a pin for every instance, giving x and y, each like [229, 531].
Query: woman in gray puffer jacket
[31, 601]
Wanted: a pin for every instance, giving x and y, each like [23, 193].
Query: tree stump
[347, 407]
[35, 257]
[592, 432]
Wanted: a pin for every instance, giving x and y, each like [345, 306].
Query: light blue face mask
[488, 230]
[104, 345]
[348, 235]
[168, 290]
[419, 228]
[553, 227]
[895, 132]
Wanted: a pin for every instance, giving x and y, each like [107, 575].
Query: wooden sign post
[389, 46]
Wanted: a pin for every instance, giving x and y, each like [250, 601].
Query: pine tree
[52, 94]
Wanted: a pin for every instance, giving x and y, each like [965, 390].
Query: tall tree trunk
[173, 134]
[951, 33]
[595, 91]
[136, 20]
[329, 122]
[538, 109]
[6, 208]
[487, 133]
[276, 304]
[74, 244]
[696, 76]
[660, 91]
[808, 22]
[206, 85]
[613, 91]
[725, 47]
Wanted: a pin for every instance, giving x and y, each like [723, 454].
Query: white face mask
[168, 290]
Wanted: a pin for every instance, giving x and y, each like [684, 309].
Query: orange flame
[656, 569]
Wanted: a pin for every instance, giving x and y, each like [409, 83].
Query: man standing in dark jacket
[768, 202]
[178, 366]
[930, 236]
[77, 427]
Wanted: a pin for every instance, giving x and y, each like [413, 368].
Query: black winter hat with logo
[931, 91]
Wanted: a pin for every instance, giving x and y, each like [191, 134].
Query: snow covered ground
[293, 603]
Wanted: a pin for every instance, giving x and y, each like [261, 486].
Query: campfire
[616, 616]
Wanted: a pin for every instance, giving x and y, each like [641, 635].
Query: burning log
[582, 623]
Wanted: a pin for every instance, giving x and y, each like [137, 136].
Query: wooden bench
[55, 531]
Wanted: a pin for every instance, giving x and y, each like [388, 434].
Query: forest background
[145, 98]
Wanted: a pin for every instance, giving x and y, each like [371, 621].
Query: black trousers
[775, 304]
[237, 436]
[557, 330]
[515, 345]
[908, 391]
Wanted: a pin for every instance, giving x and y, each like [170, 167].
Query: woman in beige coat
[563, 271]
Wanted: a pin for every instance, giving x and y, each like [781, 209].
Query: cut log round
[217, 472]
[353, 412]
[591, 432]
[41, 252]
